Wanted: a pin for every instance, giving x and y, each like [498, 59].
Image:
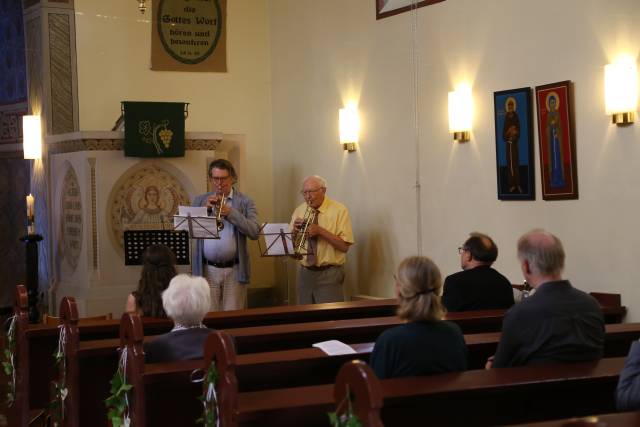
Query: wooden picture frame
[515, 162]
[556, 139]
[386, 8]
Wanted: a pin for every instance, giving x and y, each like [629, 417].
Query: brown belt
[319, 267]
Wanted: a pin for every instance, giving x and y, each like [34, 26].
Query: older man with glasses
[328, 236]
[225, 261]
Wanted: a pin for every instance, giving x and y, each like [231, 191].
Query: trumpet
[219, 222]
[301, 238]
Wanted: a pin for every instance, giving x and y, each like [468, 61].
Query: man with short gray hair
[559, 323]
[326, 227]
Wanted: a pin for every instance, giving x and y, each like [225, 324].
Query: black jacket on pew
[184, 344]
[419, 348]
[558, 323]
[480, 288]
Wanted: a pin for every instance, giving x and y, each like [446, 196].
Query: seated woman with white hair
[186, 301]
[426, 344]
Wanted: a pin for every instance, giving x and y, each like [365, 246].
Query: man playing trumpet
[225, 261]
[326, 240]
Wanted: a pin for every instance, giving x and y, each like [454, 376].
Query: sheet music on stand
[195, 221]
[277, 240]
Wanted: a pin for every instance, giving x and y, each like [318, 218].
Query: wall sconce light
[621, 91]
[460, 113]
[142, 6]
[32, 137]
[349, 128]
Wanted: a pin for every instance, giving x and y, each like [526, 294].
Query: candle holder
[31, 241]
[31, 225]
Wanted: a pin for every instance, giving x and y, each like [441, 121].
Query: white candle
[30, 202]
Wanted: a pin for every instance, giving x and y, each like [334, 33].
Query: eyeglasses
[308, 192]
[461, 249]
[220, 178]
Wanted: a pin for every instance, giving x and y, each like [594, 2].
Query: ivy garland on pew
[209, 399]
[8, 362]
[118, 401]
[60, 390]
[348, 419]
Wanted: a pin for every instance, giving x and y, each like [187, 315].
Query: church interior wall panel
[106, 288]
[97, 159]
[61, 73]
[495, 45]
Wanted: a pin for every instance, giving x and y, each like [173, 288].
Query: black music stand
[199, 227]
[136, 241]
[278, 242]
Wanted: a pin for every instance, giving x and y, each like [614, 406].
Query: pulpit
[97, 194]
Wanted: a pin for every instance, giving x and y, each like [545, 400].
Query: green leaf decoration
[348, 418]
[210, 414]
[55, 407]
[116, 402]
[7, 362]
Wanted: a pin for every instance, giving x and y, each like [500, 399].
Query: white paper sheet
[273, 239]
[334, 347]
[193, 210]
[202, 227]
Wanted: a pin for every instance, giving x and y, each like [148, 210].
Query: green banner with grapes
[154, 129]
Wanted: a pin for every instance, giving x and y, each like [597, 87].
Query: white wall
[113, 51]
[326, 53]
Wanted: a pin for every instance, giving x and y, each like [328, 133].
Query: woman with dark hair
[157, 271]
[425, 344]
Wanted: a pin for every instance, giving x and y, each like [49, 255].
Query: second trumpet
[300, 241]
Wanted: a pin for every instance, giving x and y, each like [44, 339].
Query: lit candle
[30, 202]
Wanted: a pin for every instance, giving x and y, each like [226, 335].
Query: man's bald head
[314, 188]
[482, 248]
[543, 251]
[315, 181]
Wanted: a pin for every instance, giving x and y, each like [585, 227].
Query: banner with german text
[189, 35]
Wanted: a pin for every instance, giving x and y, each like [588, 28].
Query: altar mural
[144, 198]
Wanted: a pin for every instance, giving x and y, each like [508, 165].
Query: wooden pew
[613, 310]
[98, 360]
[18, 413]
[36, 343]
[521, 394]
[165, 388]
[256, 371]
[44, 339]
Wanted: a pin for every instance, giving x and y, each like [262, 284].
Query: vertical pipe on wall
[415, 70]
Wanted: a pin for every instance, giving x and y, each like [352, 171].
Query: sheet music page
[193, 210]
[334, 347]
[273, 239]
[202, 227]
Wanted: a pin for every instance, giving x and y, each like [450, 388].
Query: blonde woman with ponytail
[425, 344]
